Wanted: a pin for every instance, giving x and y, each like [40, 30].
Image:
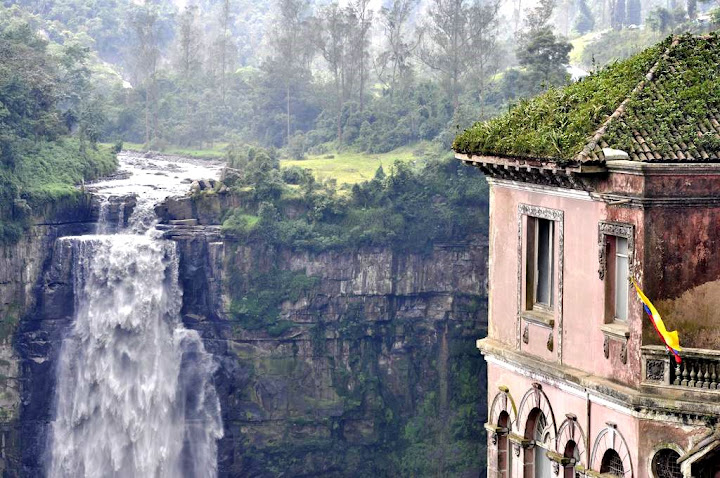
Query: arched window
[504, 454]
[612, 464]
[571, 451]
[536, 429]
[665, 465]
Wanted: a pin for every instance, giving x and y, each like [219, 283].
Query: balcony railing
[699, 369]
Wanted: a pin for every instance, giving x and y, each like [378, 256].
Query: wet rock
[230, 176]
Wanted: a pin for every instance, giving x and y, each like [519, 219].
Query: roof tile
[671, 113]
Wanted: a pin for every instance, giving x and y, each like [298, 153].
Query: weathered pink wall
[583, 294]
[675, 245]
[563, 403]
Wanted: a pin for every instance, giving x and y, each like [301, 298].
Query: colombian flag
[671, 340]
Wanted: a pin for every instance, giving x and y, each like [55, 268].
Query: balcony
[699, 369]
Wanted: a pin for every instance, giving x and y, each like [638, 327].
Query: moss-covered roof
[661, 105]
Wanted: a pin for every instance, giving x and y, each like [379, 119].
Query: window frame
[658, 455]
[608, 234]
[541, 264]
[549, 319]
[615, 284]
[534, 266]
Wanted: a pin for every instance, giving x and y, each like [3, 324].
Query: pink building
[579, 384]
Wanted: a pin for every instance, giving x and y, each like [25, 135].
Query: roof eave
[547, 164]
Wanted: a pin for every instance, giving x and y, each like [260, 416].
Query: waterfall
[134, 395]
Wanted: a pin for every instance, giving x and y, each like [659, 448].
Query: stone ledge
[655, 406]
[616, 330]
[538, 318]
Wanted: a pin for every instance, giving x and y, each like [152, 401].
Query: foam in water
[134, 395]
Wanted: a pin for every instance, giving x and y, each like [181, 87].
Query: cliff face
[366, 365]
[36, 308]
[23, 267]
[340, 363]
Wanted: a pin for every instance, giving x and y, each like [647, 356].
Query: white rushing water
[134, 395]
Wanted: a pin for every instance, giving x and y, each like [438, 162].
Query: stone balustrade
[700, 368]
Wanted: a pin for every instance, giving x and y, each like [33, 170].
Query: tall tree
[188, 73]
[360, 17]
[394, 60]
[147, 57]
[453, 39]
[618, 14]
[543, 53]
[291, 50]
[189, 42]
[634, 12]
[333, 44]
[225, 50]
[584, 21]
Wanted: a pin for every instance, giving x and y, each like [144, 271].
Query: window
[540, 263]
[617, 244]
[617, 281]
[536, 429]
[665, 464]
[612, 464]
[621, 278]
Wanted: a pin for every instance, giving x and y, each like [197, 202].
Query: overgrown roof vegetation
[671, 112]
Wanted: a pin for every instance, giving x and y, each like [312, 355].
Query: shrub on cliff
[410, 208]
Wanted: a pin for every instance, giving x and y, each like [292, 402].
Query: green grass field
[352, 167]
[579, 44]
[345, 167]
[216, 152]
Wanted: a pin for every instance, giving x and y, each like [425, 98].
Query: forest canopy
[43, 97]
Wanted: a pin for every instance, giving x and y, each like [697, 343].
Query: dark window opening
[665, 464]
[612, 464]
[540, 263]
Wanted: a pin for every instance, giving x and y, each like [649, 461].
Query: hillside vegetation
[408, 207]
[43, 97]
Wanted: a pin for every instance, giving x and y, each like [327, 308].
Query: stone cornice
[548, 173]
[652, 406]
[530, 163]
[647, 202]
[575, 182]
[662, 169]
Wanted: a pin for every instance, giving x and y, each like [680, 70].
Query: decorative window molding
[557, 216]
[610, 438]
[617, 330]
[503, 402]
[535, 398]
[617, 229]
[570, 430]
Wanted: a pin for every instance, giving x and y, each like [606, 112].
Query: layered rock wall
[23, 267]
[356, 361]
[374, 340]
